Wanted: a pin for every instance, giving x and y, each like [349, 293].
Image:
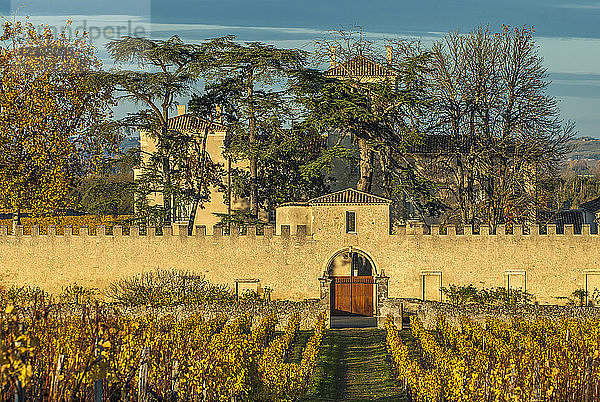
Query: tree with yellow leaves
[54, 117]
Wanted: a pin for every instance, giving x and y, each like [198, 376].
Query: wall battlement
[501, 231]
[175, 231]
[301, 232]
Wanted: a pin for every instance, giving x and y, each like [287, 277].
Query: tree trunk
[252, 143]
[384, 160]
[192, 217]
[167, 190]
[16, 219]
[201, 183]
[366, 166]
[166, 165]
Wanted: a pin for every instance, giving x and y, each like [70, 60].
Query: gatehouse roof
[360, 66]
[189, 122]
[349, 196]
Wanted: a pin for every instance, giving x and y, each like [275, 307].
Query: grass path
[354, 367]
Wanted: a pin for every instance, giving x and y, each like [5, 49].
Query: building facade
[337, 248]
[216, 133]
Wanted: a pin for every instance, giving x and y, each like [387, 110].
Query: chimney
[389, 55]
[332, 50]
[180, 110]
[219, 112]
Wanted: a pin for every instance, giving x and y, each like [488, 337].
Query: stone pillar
[325, 287]
[381, 291]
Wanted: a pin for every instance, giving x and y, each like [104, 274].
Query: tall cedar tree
[282, 153]
[383, 114]
[54, 118]
[174, 66]
[252, 85]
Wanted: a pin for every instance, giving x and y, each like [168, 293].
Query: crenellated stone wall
[292, 264]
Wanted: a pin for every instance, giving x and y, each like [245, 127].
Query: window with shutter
[350, 222]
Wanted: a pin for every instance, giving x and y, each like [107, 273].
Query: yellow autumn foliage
[53, 117]
[219, 358]
[518, 361]
[76, 222]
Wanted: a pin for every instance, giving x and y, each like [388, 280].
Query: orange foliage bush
[90, 221]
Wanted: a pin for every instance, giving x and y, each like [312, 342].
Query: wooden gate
[352, 295]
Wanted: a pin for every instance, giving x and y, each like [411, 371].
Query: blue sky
[568, 33]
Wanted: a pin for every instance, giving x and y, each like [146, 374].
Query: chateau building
[436, 157]
[215, 145]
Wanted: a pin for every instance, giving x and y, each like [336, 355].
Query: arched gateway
[351, 283]
[352, 274]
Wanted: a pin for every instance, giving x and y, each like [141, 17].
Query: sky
[567, 33]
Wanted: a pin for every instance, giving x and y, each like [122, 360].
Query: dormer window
[350, 222]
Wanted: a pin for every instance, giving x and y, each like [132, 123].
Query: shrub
[506, 296]
[581, 297]
[76, 294]
[167, 287]
[460, 295]
[26, 296]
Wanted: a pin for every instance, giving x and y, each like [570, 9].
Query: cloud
[595, 6]
[288, 31]
[570, 55]
[573, 63]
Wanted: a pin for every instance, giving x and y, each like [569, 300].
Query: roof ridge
[350, 68]
[349, 196]
[189, 121]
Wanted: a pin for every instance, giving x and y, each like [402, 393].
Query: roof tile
[349, 196]
[360, 66]
[189, 122]
[592, 205]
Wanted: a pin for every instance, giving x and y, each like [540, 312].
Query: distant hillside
[132, 141]
[584, 148]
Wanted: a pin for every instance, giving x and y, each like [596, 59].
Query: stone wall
[555, 264]
[428, 311]
[309, 311]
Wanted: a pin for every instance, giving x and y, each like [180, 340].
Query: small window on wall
[592, 287]
[516, 280]
[350, 222]
[247, 287]
[431, 284]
